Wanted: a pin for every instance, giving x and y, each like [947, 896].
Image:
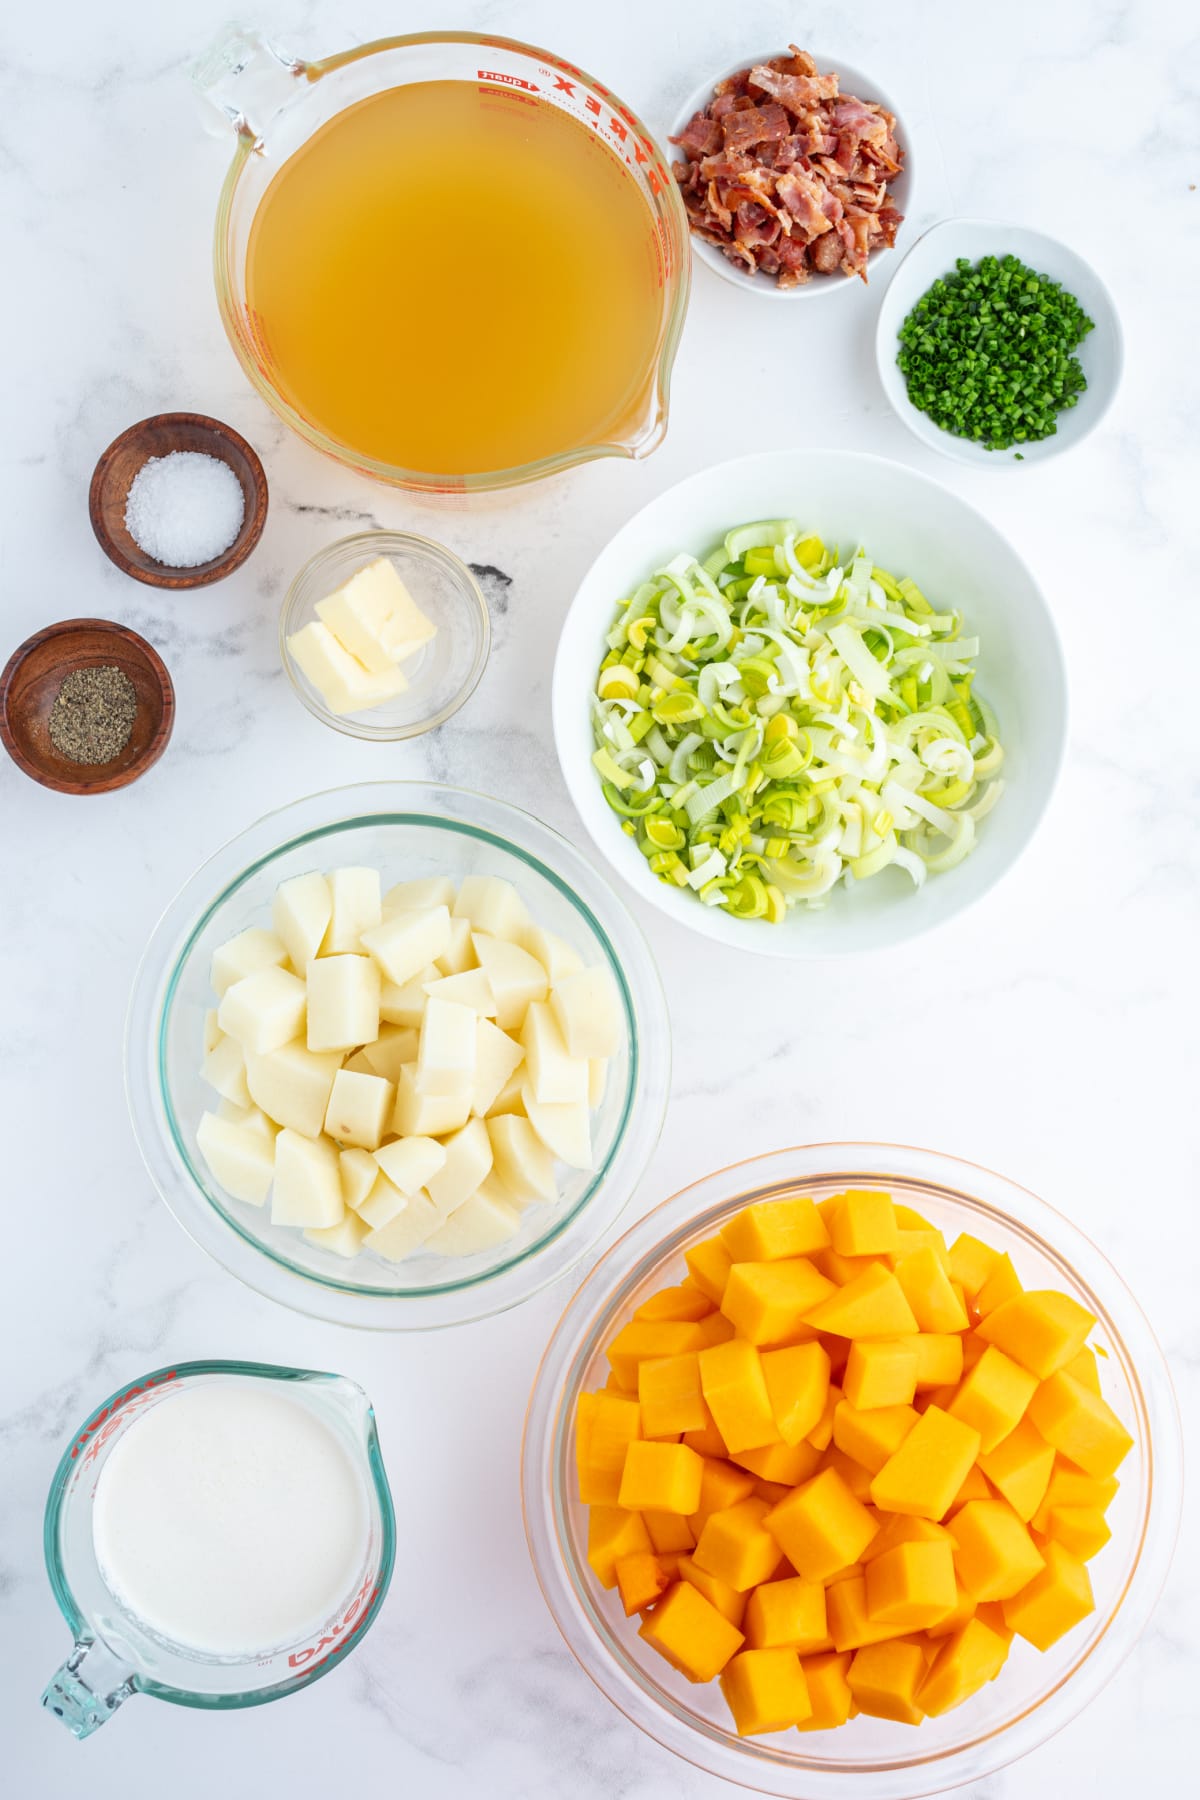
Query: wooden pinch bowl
[161, 435]
[29, 686]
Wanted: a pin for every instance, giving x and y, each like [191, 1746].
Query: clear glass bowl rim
[383, 542]
[585, 1323]
[504, 826]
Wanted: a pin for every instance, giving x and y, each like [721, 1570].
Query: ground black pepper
[92, 716]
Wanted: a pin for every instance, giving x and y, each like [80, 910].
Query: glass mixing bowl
[407, 830]
[1034, 1695]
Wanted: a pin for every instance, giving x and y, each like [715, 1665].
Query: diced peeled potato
[343, 683]
[557, 957]
[240, 1158]
[597, 1080]
[411, 1163]
[509, 1099]
[354, 896]
[420, 895]
[470, 988]
[496, 1059]
[252, 1117]
[224, 1068]
[357, 1064]
[359, 1172]
[212, 1031]
[293, 1084]
[243, 954]
[360, 1109]
[405, 941]
[384, 1203]
[459, 954]
[492, 905]
[344, 1239]
[300, 913]
[406, 1005]
[263, 1011]
[343, 1002]
[308, 1182]
[556, 1077]
[585, 1006]
[481, 1223]
[468, 1162]
[521, 1160]
[516, 978]
[407, 1231]
[446, 1054]
[566, 1131]
[395, 1046]
[419, 1114]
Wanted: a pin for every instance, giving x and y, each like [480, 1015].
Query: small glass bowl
[442, 675]
[407, 830]
[1034, 1695]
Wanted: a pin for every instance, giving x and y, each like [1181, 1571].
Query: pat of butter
[376, 617]
[342, 681]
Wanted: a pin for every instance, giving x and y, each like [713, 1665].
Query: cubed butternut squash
[772, 1229]
[663, 1476]
[690, 1633]
[913, 1585]
[1080, 1424]
[736, 1546]
[612, 1534]
[863, 1223]
[1057, 1598]
[881, 1372]
[828, 1690]
[735, 1390]
[821, 1527]
[708, 1265]
[872, 1305]
[641, 1579]
[1040, 1329]
[994, 1555]
[766, 1691]
[993, 1397]
[967, 1661]
[1019, 1468]
[767, 1302]
[786, 1615]
[924, 1474]
[797, 1379]
[670, 1394]
[885, 1679]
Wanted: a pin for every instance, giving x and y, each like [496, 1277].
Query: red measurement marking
[562, 86]
[140, 1391]
[508, 80]
[345, 1629]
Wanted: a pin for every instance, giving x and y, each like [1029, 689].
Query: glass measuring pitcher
[283, 112]
[117, 1654]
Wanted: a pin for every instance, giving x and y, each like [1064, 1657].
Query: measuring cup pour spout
[89, 1687]
[243, 80]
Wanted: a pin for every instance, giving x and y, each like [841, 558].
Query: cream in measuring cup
[217, 1534]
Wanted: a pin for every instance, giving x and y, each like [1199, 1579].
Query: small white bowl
[911, 525]
[862, 87]
[1101, 354]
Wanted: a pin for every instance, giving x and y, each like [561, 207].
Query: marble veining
[1068, 997]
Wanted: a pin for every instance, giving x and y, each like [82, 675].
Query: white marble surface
[1074, 986]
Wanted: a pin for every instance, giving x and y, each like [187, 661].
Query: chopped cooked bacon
[787, 175]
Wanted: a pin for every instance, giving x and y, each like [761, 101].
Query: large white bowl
[912, 526]
[852, 81]
[1101, 354]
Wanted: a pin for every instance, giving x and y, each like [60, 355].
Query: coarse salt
[185, 508]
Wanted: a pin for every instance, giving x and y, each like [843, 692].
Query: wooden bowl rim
[104, 784]
[164, 575]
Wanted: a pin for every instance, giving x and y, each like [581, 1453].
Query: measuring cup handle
[87, 1690]
[243, 80]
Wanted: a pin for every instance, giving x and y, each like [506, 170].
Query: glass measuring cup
[275, 103]
[115, 1654]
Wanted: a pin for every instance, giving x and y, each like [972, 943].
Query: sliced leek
[772, 722]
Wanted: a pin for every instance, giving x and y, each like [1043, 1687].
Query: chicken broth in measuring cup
[457, 278]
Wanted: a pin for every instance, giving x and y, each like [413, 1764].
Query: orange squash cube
[765, 1690]
[993, 1397]
[863, 1223]
[797, 1381]
[641, 1579]
[885, 1678]
[924, 1474]
[855, 1476]
[967, 1661]
[604, 1430]
[1069, 1486]
[1019, 1468]
[1056, 1600]
[975, 1487]
[669, 1394]
[612, 1534]
[1080, 1425]
[928, 1290]
[971, 1263]
[663, 1476]
[708, 1265]
[871, 1306]
[675, 1303]
[913, 1585]
[767, 1301]
[736, 1546]
[869, 1438]
[1039, 1329]
[1083, 1530]
[881, 1372]
[786, 1615]
[844, 1269]
[782, 1464]
[669, 1533]
[897, 1528]
[735, 1390]
[715, 1329]
[821, 1527]
[828, 1690]
[1084, 1367]
[850, 1624]
[644, 1338]
[708, 1440]
[965, 1607]
[690, 1633]
[994, 1555]
[939, 1359]
[772, 1229]
[721, 1485]
[821, 1435]
[1002, 1284]
[718, 1593]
